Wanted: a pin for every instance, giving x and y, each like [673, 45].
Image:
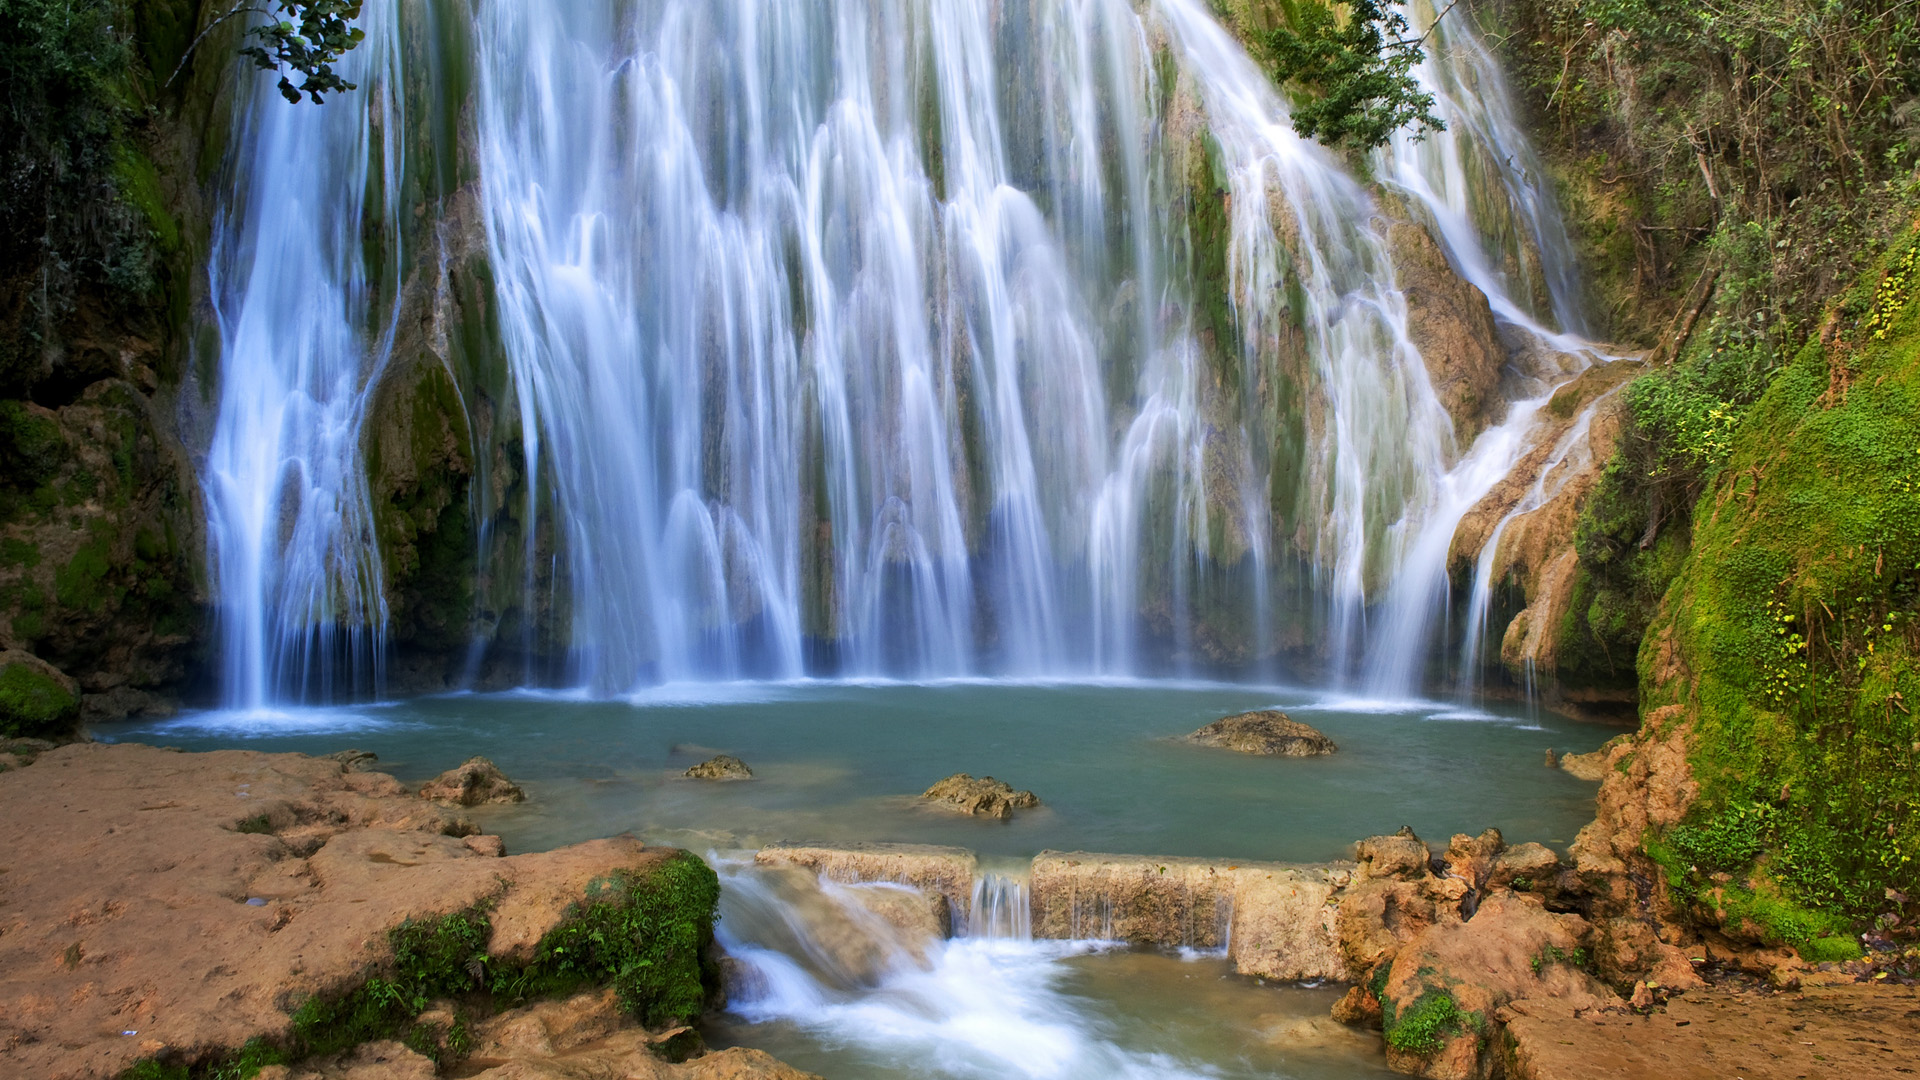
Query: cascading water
[814, 955]
[926, 338]
[303, 335]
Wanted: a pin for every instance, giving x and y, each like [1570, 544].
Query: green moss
[258, 824]
[33, 704]
[1424, 1026]
[1796, 622]
[643, 933]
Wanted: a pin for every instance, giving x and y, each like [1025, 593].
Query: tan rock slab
[136, 917]
[982, 797]
[943, 873]
[1843, 1032]
[1277, 920]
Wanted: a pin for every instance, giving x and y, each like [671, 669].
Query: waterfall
[303, 332]
[912, 338]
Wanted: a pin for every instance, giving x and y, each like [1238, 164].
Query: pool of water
[839, 763]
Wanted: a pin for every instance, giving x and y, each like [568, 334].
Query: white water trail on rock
[986, 1006]
[303, 336]
[1571, 454]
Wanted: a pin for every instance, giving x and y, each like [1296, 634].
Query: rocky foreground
[1482, 962]
[166, 912]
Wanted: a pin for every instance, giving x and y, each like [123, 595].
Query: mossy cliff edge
[1772, 795]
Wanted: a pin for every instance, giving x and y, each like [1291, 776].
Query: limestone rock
[1277, 920]
[1586, 766]
[1266, 731]
[152, 929]
[474, 782]
[942, 874]
[1524, 868]
[1394, 897]
[721, 767]
[354, 760]
[1512, 948]
[985, 797]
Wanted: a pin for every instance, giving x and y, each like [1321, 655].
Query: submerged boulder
[1265, 731]
[474, 782]
[985, 797]
[721, 767]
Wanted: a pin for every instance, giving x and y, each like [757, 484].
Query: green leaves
[309, 48]
[1353, 78]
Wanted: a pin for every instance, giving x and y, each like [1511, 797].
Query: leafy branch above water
[310, 48]
[1355, 76]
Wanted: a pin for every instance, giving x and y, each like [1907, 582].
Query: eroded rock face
[475, 782]
[721, 767]
[943, 874]
[194, 898]
[985, 797]
[1277, 920]
[1512, 948]
[1267, 732]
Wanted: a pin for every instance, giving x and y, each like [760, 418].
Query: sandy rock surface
[1268, 732]
[136, 915]
[721, 767]
[985, 797]
[1853, 1032]
[474, 782]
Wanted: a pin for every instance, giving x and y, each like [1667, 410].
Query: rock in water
[721, 767]
[476, 781]
[1268, 731]
[985, 797]
[354, 760]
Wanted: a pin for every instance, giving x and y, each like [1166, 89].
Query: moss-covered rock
[1789, 645]
[36, 699]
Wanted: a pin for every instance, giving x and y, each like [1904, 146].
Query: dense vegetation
[1743, 182]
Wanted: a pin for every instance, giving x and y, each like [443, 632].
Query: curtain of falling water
[858, 322]
[869, 337]
[302, 337]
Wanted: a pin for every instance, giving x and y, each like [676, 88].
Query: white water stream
[303, 335]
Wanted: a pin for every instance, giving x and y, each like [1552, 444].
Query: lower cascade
[913, 340]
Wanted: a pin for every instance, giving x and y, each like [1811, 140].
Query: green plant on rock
[1424, 1026]
[33, 705]
[644, 933]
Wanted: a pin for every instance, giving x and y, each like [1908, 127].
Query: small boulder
[1266, 731]
[354, 760]
[1586, 766]
[474, 782]
[985, 797]
[37, 700]
[721, 767]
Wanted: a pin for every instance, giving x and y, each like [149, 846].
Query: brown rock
[127, 888]
[1276, 920]
[943, 874]
[384, 1060]
[1715, 1033]
[1452, 326]
[1526, 868]
[1513, 948]
[1268, 732]
[354, 760]
[985, 797]
[1359, 1007]
[1586, 766]
[721, 767]
[475, 782]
